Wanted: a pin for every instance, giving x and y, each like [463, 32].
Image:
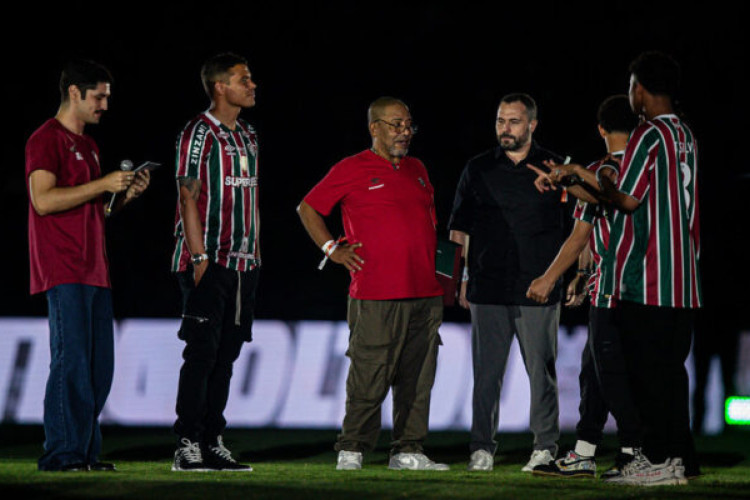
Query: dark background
[318, 66]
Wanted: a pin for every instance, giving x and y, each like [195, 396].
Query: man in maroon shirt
[68, 261]
[395, 300]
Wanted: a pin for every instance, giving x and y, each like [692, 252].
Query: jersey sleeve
[428, 185]
[193, 146]
[585, 212]
[331, 189]
[639, 160]
[462, 214]
[43, 153]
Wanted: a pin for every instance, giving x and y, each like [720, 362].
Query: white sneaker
[679, 471]
[414, 461]
[349, 460]
[640, 471]
[538, 457]
[481, 460]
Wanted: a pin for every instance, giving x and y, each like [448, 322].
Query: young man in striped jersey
[604, 379]
[649, 274]
[216, 259]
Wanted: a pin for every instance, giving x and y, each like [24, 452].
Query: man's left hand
[139, 185]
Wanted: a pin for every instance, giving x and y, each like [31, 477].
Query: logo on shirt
[230, 150]
[222, 135]
[421, 181]
[242, 182]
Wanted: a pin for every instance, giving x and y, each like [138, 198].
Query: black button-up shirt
[515, 231]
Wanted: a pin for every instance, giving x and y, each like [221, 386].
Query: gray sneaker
[481, 460]
[349, 460]
[538, 457]
[414, 461]
[679, 470]
[640, 471]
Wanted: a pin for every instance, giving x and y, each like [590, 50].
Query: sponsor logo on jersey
[244, 182]
[198, 138]
[230, 150]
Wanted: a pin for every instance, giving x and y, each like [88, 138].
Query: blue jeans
[80, 376]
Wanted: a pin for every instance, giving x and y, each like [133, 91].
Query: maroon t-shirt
[392, 213]
[66, 247]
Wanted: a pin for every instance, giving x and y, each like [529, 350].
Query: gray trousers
[392, 344]
[492, 331]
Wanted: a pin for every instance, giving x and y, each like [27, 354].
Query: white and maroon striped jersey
[599, 216]
[653, 253]
[226, 163]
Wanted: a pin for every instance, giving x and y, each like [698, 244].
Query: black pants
[217, 319]
[606, 384]
[657, 341]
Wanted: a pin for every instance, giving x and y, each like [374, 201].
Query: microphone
[125, 166]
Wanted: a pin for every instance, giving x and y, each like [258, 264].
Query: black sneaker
[188, 457]
[621, 460]
[74, 467]
[571, 465]
[102, 467]
[218, 457]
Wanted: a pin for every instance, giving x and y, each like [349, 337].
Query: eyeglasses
[400, 127]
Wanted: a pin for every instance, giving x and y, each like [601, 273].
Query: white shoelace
[191, 451]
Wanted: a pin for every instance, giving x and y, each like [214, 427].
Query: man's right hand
[117, 181]
[346, 256]
[199, 270]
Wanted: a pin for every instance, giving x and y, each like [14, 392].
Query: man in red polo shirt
[395, 300]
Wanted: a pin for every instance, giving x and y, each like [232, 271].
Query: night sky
[318, 66]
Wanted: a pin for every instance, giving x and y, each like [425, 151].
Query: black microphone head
[126, 165]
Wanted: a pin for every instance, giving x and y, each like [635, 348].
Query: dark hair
[84, 74]
[524, 99]
[377, 107]
[615, 115]
[215, 69]
[658, 72]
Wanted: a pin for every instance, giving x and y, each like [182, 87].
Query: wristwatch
[197, 258]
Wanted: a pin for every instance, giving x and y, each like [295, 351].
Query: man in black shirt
[510, 233]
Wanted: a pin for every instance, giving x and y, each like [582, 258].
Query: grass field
[300, 464]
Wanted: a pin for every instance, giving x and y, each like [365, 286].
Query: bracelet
[465, 275]
[329, 246]
[584, 272]
[197, 258]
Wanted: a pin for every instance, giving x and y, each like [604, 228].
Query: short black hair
[524, 99]
[658, 72]
[215, 69]
[84, 74]
[615, 115]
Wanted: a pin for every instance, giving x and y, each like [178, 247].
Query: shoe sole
[561, 474]
[177, 469]
[426, 470]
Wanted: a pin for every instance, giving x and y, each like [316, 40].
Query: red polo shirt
[392, 213]
[66, 247]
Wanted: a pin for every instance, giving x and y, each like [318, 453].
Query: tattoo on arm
[192, 184]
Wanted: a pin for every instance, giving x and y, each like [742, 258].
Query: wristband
[465, 275]
[328, 247]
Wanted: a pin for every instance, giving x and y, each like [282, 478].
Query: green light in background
[737, 411]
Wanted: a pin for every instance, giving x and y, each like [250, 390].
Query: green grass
[300, 464]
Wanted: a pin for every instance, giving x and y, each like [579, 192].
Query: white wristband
[465, 275]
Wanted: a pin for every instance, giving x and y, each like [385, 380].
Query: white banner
[291, 375]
